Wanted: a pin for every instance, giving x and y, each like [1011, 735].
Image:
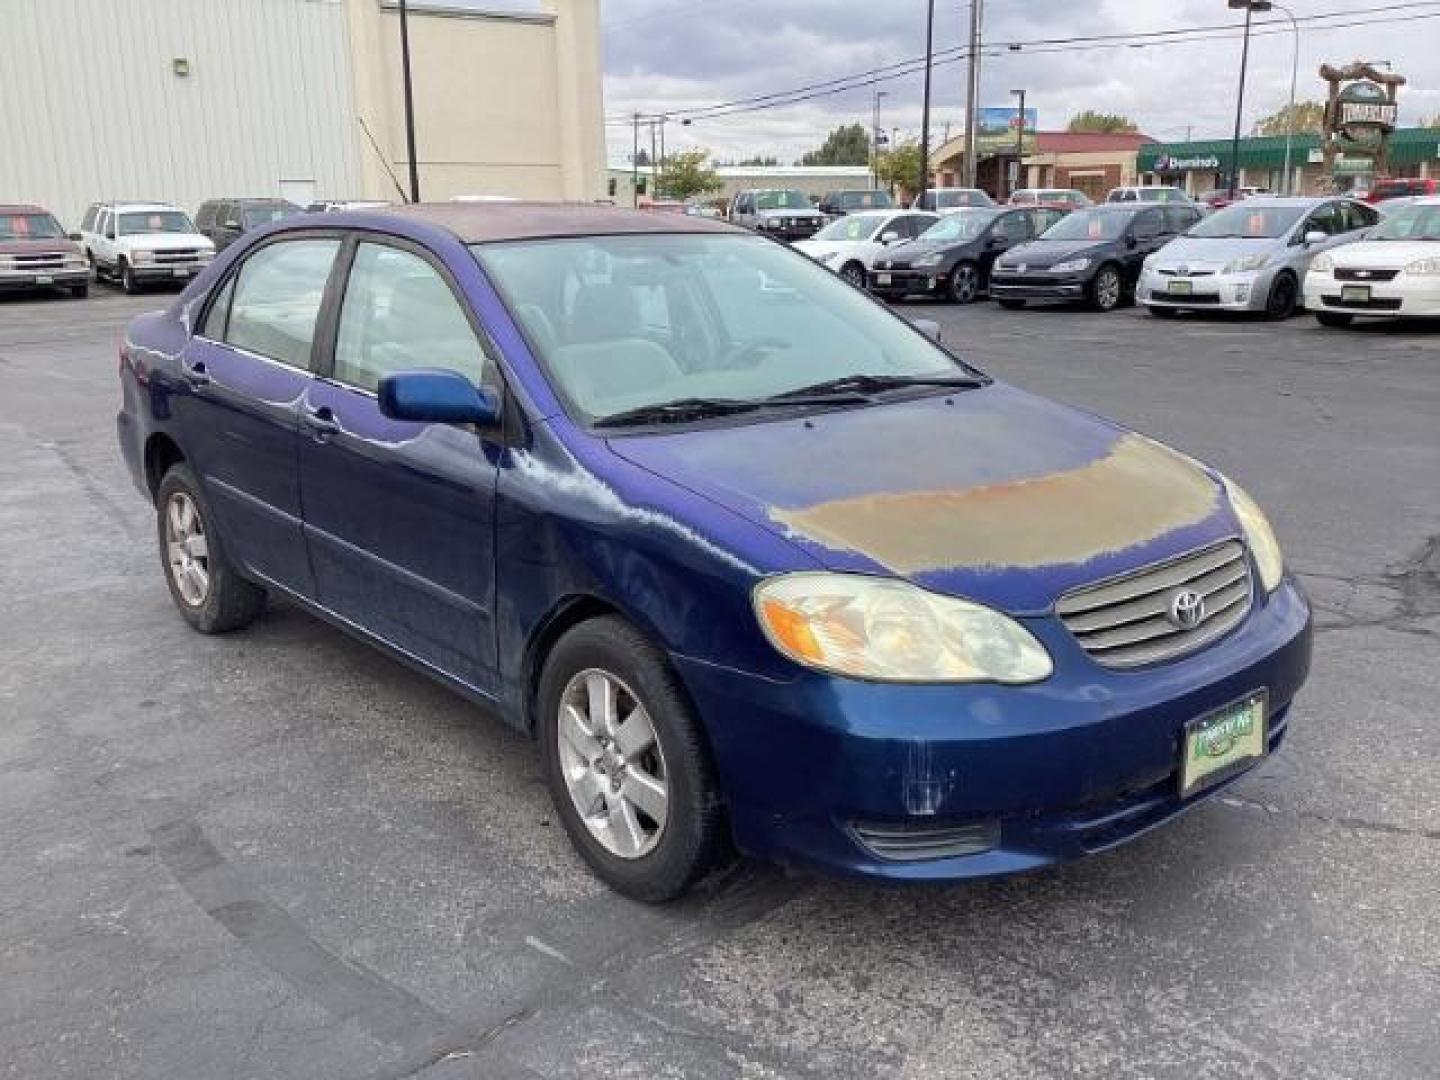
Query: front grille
[1350, 273]
[1125, 622]
[48, 261]
[1188, 273]
[1184, 298]
[1373, 304]
[183, 255]
[907, 841]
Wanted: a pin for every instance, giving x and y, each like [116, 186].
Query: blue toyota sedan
[760, 565]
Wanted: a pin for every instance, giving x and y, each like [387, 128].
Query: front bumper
[1037, 285]
[1071, 766]
[928, 281]
[1400, 297]
[790, 233]
[62, 278]
[1206, 292]
[167, 271]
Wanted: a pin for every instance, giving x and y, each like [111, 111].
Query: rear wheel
[965, 283]
[1284, 294]
[1336, 320]
[626, 762]
[1107, 290]
[854, 273]
[211, 596]
[1011, 305]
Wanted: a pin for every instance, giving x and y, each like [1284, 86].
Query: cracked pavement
[279, 854]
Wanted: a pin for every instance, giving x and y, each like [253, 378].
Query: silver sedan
[1250, 256]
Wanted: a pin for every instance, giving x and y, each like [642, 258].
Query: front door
[244, 374]
[399, 516]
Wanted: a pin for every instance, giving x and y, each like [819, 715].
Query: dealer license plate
[1181, 288]
[181, 271]
[1224, 742]
[1355, 294]
[44, 279]
[882, 279]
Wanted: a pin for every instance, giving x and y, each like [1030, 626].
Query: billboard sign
[996, 129]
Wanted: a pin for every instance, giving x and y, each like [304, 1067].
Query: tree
[1309, 117]
[685, 174]
[846, 145]
[900, 167]
[1101, 123]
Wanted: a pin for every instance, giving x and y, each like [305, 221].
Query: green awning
[1408, 146]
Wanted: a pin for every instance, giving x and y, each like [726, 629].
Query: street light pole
[1288, 187]
[409, 102]
[875, 140]
[925, 109]
[1250, 6]
[1019, 140]
[972, 91]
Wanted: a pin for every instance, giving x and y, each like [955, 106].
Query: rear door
[243, 376]
[399, 516]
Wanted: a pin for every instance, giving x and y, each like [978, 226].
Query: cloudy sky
[665, 55]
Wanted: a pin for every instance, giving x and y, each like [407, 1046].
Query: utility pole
[1019, 141]
[972, 90]
[925, 109]
[875, 140]
[635, 164]
[409, 102]
[1250, 6]
[654, 165]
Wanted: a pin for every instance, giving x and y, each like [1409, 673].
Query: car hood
[168, 242]
[902, 255]
[816, 248]
[39, 247]
[991, 494]
[1037, 254]
[1384, 254]
[1201, 253]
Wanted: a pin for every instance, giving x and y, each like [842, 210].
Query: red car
[1401, 187]
[36, 254]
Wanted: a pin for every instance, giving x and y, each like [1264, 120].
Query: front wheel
[965, 283]
[211, 596]
[854, 273]
[1107, 289]
[1336, 320]
[80, 292]
[627, 764]
[1284, 295]
[128, 281]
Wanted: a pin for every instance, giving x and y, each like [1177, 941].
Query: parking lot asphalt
[279, 854]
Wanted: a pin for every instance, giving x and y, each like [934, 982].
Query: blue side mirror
[435, 396]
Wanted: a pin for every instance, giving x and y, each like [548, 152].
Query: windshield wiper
[869, 384]
[700, 408]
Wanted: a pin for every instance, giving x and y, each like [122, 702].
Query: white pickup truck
[137, 244]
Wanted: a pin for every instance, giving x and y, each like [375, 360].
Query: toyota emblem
[1187, 609]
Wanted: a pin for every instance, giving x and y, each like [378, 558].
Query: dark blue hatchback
[758, 563]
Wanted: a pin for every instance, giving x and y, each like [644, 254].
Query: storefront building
[1203, 166]
[1092, 162]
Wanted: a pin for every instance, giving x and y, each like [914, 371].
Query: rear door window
[277, 299]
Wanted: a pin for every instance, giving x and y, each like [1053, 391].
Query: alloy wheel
[964, 284]
[186, 549]
[1107, 290]
[854, 273]
[612, 763]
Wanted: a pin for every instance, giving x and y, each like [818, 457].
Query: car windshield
[948, 200]
[29, 227]
[622, 323]
[1089, 225]
[854, 227]
[155, 221]
[965, 225]
[1245, 220]
[782, 200]
[1415, 222]
[864, 200]
[264, 214]
[1159, 194]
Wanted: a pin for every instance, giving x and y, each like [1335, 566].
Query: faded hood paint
[991, 494]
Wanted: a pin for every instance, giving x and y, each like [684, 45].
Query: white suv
[138, 243]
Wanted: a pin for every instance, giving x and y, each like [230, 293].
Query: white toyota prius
[848, 245]
[1394, 272]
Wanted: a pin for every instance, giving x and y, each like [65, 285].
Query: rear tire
[1011, 305]
[211, 595]
[587, 764]
[1336, 320]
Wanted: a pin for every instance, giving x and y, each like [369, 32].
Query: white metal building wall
[91, 108]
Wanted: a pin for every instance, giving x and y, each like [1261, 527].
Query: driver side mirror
[231, 225]
[73, 236]
[890, 237]
[437, 396]
[1315, 236]
[1131, 240]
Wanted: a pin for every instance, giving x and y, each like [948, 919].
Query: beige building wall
[505, 104]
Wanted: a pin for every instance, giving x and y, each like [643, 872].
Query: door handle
[195, 374]
[321, 422]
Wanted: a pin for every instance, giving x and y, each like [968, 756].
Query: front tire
[211, 596]
[128, 281]
[1107, 290]
[854, 274]
[965, 283]
[1336, 320]
[627, 764]
[80, 292]
[1284, 295]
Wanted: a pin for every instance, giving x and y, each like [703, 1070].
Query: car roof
[141, 207]
[22, 208]
[478, 223]
[1286, 200]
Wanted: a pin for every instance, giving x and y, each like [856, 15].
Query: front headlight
[1423, 266]
[1246, 263]
[891, 631]
[138, 257]
[1258, 535]
[928, 260]
[1322, 263]
[1071, 266]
